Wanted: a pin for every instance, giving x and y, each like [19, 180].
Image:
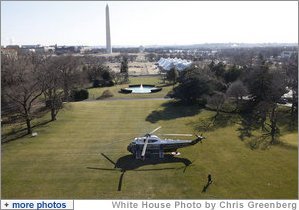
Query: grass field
[65, 161]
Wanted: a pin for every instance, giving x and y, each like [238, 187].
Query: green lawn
[151, 80]
[64, 160]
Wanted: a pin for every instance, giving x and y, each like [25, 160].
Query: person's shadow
[205, 188]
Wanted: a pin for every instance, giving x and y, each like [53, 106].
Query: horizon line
[165, 45]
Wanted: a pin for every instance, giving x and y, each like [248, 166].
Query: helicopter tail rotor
[187, 165]
[198, 139]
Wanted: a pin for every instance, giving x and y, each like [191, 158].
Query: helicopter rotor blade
[104, 169]
[111, 161]
[144, 147]
[155, 130]
[176, 134]
[156, 169]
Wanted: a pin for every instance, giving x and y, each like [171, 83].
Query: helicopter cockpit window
[152, 140]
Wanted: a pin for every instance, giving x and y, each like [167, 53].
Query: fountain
[141, 89]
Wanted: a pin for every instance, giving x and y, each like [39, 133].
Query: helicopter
[149, 144]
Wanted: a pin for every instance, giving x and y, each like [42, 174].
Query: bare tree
[23, 85]
[237, 90]
[216, 101]
[68, 69]
[52, 85]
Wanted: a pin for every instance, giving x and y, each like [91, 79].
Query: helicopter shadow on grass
[129, 163]
[172, 110]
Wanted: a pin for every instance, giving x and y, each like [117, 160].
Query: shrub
[107, 94]
[109, 83]
[79, 94]
[156, 90]
[102, 83]
[96, 83]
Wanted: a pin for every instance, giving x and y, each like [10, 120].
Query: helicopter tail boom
[198, 139]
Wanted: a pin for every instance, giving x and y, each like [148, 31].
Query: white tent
[168, 63]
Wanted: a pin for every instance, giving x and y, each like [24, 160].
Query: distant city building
[165, 64]
[91, 50]
[40, 50]
[16, 47]
[108, 36]
[49, 49]
[286, 54]
[27, 50]
[85, 49]
[59, 50]
[31, 46]
[36, 49]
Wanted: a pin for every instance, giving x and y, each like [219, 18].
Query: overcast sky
[148, 23]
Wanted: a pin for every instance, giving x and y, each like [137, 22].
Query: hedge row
[142, 85]
[125, 90]
[156, 90]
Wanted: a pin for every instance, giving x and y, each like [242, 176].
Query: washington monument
[108, 38]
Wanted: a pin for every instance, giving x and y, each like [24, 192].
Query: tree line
[260, 83]
[31, 81]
